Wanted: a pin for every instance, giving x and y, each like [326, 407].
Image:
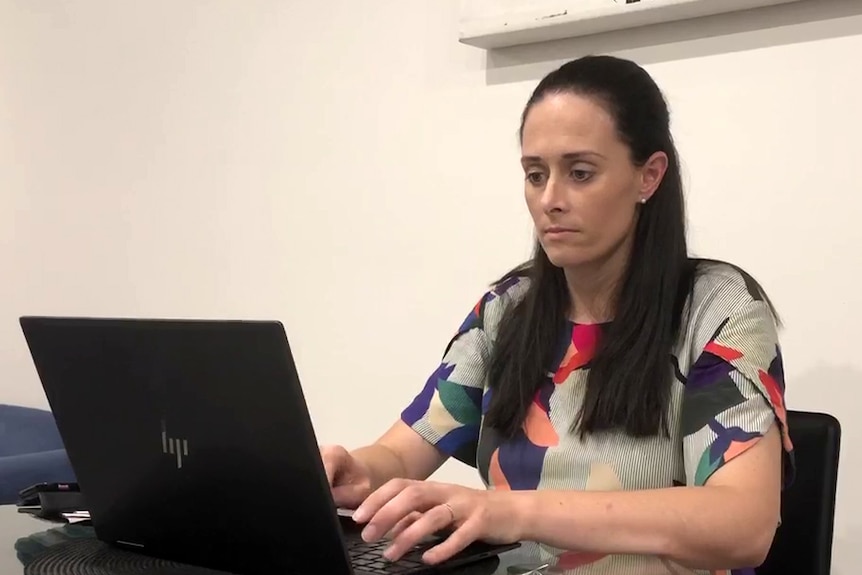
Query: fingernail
[369, 533]
[359, 515]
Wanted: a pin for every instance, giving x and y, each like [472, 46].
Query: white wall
[352, 170]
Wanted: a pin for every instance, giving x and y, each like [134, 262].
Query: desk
[24, 538]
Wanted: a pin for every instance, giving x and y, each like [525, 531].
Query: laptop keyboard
[368, 557]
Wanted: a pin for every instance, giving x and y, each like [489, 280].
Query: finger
[330, 472]
[417, 496]
[428, 524]
[379, 498]
[348, 496]
[404, 524]
[330, 464]
[455, 543]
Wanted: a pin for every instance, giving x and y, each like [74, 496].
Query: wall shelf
[502, 23]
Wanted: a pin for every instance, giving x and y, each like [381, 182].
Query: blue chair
[31, 451]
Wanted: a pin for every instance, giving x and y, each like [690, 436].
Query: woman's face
[581, 185]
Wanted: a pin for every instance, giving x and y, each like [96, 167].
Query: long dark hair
[629, 381]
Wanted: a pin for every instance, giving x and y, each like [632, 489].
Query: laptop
[192, 442]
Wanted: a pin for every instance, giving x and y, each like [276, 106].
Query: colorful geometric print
[727, 390]
[517, 463]
[455, 426]
[476, 316]
[713, 388]
[539, 434]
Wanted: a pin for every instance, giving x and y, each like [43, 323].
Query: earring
[643, 200]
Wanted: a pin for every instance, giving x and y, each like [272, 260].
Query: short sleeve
[447, 412]
[734, 392]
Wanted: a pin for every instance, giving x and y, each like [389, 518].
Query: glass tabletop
[39, 547]
[26, 542]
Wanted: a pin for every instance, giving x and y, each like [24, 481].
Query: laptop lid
[191, 440]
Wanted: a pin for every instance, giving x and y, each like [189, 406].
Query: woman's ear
[652, 173]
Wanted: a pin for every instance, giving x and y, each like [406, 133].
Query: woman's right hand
[349, 478]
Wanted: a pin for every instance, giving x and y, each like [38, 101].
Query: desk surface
[23, 539]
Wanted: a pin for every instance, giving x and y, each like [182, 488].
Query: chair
[803, 542]
[31, 451]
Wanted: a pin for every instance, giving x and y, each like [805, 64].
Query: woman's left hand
[409, 510]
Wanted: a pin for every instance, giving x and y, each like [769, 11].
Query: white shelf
[502, 23]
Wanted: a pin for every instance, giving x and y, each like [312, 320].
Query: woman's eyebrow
[580, 155]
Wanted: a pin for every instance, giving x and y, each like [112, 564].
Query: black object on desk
[195, 416]
[51, 500]
[31, 495]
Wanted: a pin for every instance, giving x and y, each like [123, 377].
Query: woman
[620, 400]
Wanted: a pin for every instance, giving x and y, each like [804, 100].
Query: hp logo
[174, 446]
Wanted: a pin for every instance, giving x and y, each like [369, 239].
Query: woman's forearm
[699, 527]
[382, 463]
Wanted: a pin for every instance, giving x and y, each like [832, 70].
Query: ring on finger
[451, 512]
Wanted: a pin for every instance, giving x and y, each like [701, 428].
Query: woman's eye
[535, 178]
[581, 175]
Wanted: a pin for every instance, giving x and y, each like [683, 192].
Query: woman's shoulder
[723, 286]
[503, 294]
[724, 295]
[507, 292]
[511, 288]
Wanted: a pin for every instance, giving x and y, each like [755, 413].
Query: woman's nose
[554, 195]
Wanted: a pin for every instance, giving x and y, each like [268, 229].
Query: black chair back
[803, 542]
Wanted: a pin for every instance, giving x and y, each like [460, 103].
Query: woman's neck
[594, 287]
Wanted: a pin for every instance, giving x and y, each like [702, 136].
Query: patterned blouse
[728, 388]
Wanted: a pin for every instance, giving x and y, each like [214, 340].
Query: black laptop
[191, 441]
